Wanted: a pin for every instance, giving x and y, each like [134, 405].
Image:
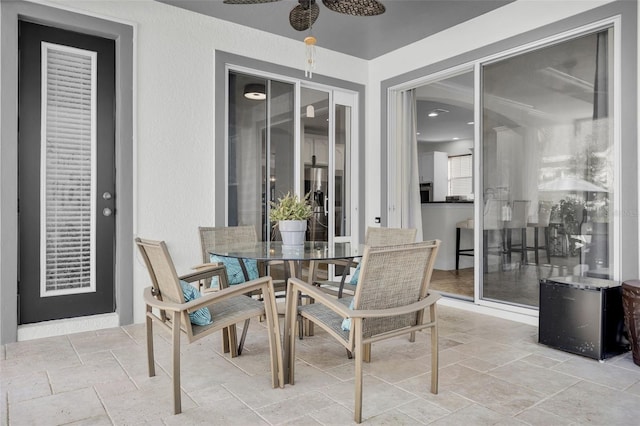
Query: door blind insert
[68, 170]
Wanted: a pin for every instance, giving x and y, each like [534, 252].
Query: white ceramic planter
[292, 232]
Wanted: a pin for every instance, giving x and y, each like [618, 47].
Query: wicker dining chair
[166, 306]
[225, 235]
[391, 298]
[374, 237]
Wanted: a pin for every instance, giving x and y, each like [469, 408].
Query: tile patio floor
[492, 372]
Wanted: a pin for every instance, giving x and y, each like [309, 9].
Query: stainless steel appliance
[426, 192]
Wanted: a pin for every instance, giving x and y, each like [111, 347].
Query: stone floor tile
[591, 403]
[232, 412]
[530, 376]
[333, 415]
[377, 396]
[25, 387]
[57, 409]
[392, 418]
[497, 353]
[67, 379]
[599, 372]
[144, 405]
[538, 417]
[290, 409]
[475, 415]
[423, 411]
[496, 394]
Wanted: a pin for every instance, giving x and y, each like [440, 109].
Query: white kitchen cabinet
[433, 167]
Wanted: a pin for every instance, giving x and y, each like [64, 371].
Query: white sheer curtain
[410, 207]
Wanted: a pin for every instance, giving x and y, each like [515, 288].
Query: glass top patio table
[269, 251]
[275, 250]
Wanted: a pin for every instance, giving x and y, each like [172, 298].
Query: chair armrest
[320, 296]
[204, 271]
[407, 309]
[209, 298]
[206, 265]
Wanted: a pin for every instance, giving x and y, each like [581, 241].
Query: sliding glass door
[547, 167]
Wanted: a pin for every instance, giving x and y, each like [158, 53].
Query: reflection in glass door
[267, 159]
[260, 148]
[548, 167]
[327, 131]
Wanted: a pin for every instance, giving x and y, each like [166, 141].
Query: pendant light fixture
[255, 92]
[310, 55]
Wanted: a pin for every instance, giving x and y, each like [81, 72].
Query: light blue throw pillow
[346, 323]
[234, 270]
[200, 317]
[355, 276]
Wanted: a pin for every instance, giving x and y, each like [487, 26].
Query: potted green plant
[290, 214]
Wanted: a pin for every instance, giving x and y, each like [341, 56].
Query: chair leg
[485, 249]
[366, 353]
[359, 352]
[245, 328]
[233, 341]
[291, 316]
[434, 351]
[536, 242]
[547, 244]
[275, 344]
[457, 248]
[150, 362]
[175, 361]
[523, 245]
[225, 340]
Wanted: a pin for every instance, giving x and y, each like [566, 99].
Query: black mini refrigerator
[582, 315]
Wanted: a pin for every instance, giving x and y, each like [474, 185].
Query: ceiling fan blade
[355, 7]
[301, 18]
[248, 1]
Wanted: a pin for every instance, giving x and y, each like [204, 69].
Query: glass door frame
[341, 94]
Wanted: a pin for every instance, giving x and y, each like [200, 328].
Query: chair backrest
[389, 236]
[161, 270]
[544, 213]
[393, 276]
[210, 236]
[519, 213]
[493, 214]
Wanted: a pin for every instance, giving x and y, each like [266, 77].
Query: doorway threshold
[67, 326]
[489, 310]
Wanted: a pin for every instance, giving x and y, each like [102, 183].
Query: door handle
[107, 212]
[107, 196]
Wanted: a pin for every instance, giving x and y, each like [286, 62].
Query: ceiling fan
[306, 12]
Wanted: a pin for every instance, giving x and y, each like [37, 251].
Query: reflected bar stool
[544, 216]
[464, 224]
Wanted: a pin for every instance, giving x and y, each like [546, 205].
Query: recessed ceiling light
[470, 123]
[418, 134]
[455, 139]
[436, 112]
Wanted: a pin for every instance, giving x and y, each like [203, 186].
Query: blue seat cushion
[200, 317]
[234, 270]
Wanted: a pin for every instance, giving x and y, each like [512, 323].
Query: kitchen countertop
[449, 202]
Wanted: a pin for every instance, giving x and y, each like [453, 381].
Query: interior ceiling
[404, 22]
